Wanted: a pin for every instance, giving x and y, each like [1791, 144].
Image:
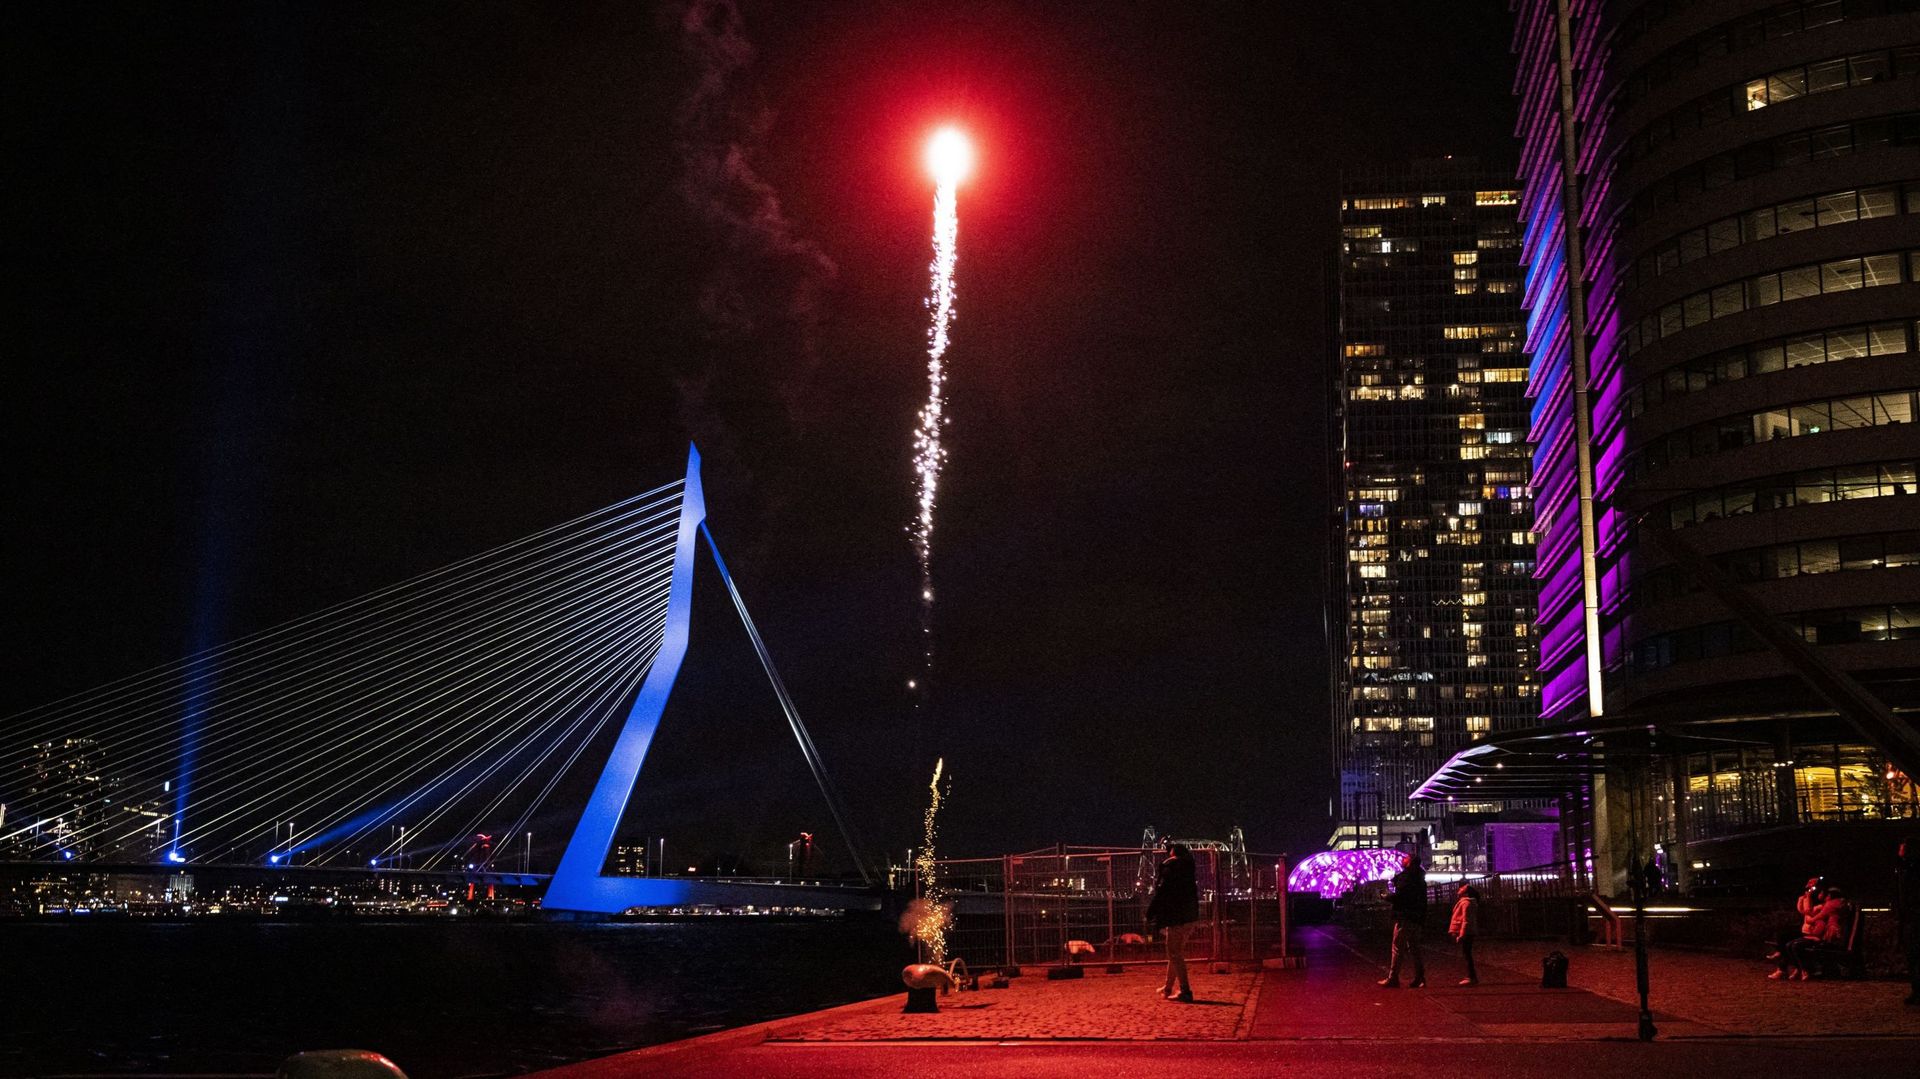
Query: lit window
[1495, 198]
[1433, 200]
[1366, 349]
[1479, 723]
[1465, 258]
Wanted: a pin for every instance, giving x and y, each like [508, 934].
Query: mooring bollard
[923, 981]
[338, 1064]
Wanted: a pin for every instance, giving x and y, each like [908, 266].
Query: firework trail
[948, 157]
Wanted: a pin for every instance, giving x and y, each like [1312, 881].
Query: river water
[442, 998]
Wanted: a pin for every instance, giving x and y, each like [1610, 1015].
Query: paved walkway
[1337, 998]
[1260, 1024]
[1731, 996]
[1100, 1005]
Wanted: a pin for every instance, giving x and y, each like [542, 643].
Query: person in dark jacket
[1906, 906]
[1409, 904]
[1172, 911]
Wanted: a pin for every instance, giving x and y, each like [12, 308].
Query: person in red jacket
[1807, 906]
[1832, 921]
[1464, 926]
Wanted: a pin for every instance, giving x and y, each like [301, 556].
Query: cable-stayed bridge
[403, 730]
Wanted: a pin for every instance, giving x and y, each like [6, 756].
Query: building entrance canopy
[1547, 762]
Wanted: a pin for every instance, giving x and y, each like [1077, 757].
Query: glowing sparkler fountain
[927, 917]
[949, 159]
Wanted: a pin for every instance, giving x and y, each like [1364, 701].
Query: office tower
[1433, 600]
[1724, 377]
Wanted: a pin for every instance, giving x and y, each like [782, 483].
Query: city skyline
[345, 323]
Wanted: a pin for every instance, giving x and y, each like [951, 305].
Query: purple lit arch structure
[1334, 873]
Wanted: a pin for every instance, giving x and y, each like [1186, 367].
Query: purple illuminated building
[1721, 236]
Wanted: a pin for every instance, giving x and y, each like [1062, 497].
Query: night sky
[312, 298]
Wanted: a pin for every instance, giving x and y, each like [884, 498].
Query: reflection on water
[442, 998]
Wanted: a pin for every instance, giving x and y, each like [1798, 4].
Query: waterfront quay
[1329, 1017]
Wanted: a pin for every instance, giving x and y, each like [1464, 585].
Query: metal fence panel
[1024, 909]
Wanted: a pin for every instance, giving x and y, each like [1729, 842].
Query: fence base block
[1061, 974]
[1284, 962]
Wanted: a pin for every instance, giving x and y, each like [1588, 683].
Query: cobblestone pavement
[1100, 1005]
[1332, 1020]
[1731, 995]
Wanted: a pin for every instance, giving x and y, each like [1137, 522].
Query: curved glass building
[1721, 235]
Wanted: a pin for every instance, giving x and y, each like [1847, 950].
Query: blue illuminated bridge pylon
[404, 729]
[579, 883]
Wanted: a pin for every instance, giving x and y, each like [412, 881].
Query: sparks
[930, 926]
[949, 158]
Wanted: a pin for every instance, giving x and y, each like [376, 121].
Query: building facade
[1721, 223]
[1433, 605]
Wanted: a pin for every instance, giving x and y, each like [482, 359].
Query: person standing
[1174, 908]
[1907, 908]
[1464, 926]
[1409, 904]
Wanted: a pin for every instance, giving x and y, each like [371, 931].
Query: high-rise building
[1433, 598]
[1721, 227]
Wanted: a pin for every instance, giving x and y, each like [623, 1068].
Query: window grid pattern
[1766, 222]
[1877, 622]
[1767, 289]
[1879, 339]
[1779, 561]
[1888, 479]
[1769, 155]
[1435, 597]
[1767, 425]
[1772, 89]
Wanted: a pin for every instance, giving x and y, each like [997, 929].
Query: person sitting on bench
[1833, 933]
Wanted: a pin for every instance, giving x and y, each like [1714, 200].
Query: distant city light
[176, 857]
[273, 859]
[67, 854]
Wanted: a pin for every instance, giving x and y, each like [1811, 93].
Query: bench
[1844, 959]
